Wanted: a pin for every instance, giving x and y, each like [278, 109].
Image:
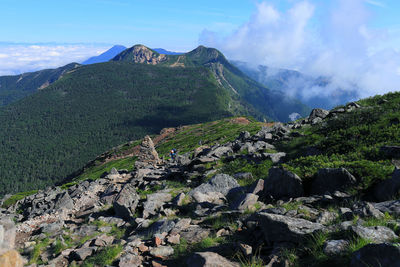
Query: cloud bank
[20, 58]
[337, 43]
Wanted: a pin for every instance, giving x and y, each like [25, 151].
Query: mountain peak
[140, 54]
[204, 55]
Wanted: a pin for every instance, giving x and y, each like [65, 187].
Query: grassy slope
[48, 135]
[351, 141]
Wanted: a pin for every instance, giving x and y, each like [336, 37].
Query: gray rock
[126, 202]
[245, 202]
[103, 240]
[154, 202]
[222, 183]
[1, 234]
[221, 151]
[377, 234]
[388, 189]
[194, 234]
[243, 136]
[376, 255]
[52, 228]
[210, 197]
[82, 253]
[162, 226]
[275, 157]
[346, 213]
[335, 247]
[326, 217]
[64, 201]
[279, 228]
[318, 113]
[330, 180]
[178, 200]
[282, 184]
[256, 187]
[365, 209]
[392, 207]
[209, 259]
[7, 233]
[130, 260]
[162, 251]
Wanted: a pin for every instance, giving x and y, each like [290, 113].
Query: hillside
[13, 88]
[46, 136]
[272, 103]
[321, 191]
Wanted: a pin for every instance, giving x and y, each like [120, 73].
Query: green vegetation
[56, 131]
[258, 170]
[352, 140]
[13, 199]
[103, 257]
[37, 250]
[209, 133]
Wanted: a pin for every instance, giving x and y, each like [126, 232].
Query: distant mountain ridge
[13, 88]
[106, 56]
[276, 104]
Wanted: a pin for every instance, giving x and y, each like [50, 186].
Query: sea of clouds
[18, 58]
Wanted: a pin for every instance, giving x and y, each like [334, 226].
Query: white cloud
[20, 58]
[375, 3]
[339, 45]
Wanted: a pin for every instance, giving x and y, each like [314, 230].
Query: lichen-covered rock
[126, 202]
[279, 228]
[377, 234]
[221, 183]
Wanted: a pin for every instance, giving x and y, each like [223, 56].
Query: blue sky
[174, 25]
[351, 41]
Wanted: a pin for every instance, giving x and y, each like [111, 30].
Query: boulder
[130, 260]
[82, 253]
[392, 207]
[279, 228]
[335, 247]
[330, 180]
[154, 202]
[389, 188]
[221, 151]
[210, 197]
[162, 226]
[282, 184]
[377, 234]
[245, 202]
[126, 202]
[376, 255]
[366, 209]
[162, 251]
[256, 187]
[209, 259]
[221, 183]
[318, 113]
[64, 201]
[275, 157]
[7, 233]
[194, 234]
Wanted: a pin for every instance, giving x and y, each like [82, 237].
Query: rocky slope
[235, 203]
